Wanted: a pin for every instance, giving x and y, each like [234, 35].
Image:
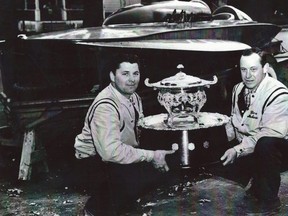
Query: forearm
[125, 154]
[248, 143]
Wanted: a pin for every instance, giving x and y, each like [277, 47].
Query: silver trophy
[182, 95]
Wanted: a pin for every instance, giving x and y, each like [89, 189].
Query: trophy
[182, 95]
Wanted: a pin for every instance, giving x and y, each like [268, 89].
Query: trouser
[116, 186]
[269, 158]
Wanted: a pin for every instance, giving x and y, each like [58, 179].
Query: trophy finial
[180, 67]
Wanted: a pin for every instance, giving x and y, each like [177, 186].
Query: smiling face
[126, 78]
[252, 72]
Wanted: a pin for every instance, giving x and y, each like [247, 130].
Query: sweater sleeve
[274, 123]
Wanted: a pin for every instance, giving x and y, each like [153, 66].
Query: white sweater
[109, 129]
[267, 115]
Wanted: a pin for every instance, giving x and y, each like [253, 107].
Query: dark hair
[262, 54]
[118, 58]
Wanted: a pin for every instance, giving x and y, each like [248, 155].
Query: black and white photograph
[143, 107]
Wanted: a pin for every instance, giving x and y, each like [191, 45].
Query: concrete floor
[205, 195]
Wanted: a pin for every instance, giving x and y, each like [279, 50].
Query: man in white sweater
[121, 171]
[259, 124]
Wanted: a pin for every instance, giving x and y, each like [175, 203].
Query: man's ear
[269, 70]
[266, 68]
[112, 76]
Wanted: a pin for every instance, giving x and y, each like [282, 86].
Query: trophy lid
[181, 80]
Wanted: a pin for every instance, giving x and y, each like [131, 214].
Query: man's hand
[159, 161]
[229, 156]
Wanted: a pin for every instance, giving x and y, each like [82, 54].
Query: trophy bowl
[182, 95]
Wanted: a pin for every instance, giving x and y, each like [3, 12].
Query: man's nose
[248, 73]
[131, 78]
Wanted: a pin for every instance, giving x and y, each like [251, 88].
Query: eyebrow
[129, 71]
[250, 67]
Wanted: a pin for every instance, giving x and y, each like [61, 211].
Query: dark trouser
[114, 186]
[270, 157]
